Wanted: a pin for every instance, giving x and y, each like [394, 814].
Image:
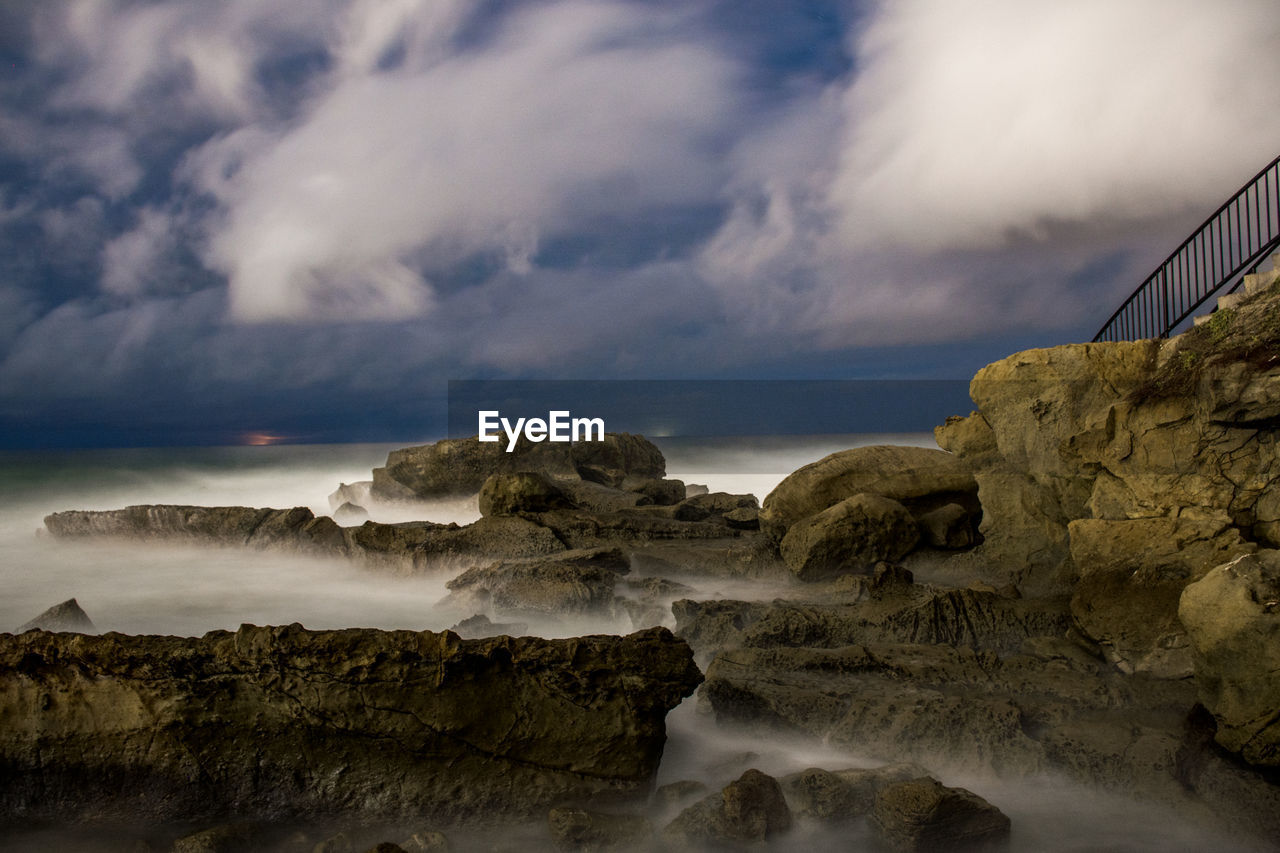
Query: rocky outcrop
[67, 616]
[1233, 618]
[575, 829]
[454, 467]
[285, 723]
[918, 477]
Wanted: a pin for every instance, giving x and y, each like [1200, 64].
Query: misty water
[188, 590]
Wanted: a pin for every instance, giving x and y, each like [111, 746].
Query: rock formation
[285, 723]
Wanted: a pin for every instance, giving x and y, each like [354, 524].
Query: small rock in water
[751, 809]
[66, 616]
[349, 514]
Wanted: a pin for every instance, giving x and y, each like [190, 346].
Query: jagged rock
[578, 829]
[280, 724]
[925, 815]
[460, 466]
[712, 505]
[1232, 616]
[662, 492]
[1132, 574]
[917, 477]
[597, 497]
[359, 494]
[520, 491]
[348, 514]
[479, 625]
[751, 809]
[948, 526]
[569, 583]
[849, 537]
[695, 489]
[66, 616]
[232, 525]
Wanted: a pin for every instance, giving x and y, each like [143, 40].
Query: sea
[187, 590]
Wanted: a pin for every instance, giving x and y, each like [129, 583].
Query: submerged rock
[283, 723]
[67, 616]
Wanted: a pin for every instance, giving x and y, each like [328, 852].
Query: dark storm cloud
[250, 211]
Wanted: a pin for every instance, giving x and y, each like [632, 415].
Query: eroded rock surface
[277, 723]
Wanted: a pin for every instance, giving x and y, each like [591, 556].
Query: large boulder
[283, 724]
[849, 537]
[460, 466]
[919, 477]
[1232, 616]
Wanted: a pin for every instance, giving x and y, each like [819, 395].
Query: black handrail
[1229, 245]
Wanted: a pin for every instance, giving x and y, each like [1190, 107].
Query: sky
[245, 217]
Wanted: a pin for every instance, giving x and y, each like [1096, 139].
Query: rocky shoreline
[1084, 581]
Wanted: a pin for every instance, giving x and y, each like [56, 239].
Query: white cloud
[972, 121]
[571, 110]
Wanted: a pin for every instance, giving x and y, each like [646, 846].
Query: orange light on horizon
[261, 439]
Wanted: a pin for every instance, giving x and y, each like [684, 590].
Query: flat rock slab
[285, 723]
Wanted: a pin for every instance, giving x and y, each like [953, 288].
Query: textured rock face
[1233, 618]
[276, 723]
[749, 809]
[571, 582]
[925, 815]
[460, 466]
[910, 475]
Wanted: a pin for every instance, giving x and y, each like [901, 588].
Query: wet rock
[574, 829]
[925, 815]
[751, 809]
[479, 625]
[569, 583]
[849, 537]
[1232, 616]
[914, 476]
[281, 724]
[460, 466]
[66, 616]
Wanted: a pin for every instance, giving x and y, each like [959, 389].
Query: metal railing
[1216, 257]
